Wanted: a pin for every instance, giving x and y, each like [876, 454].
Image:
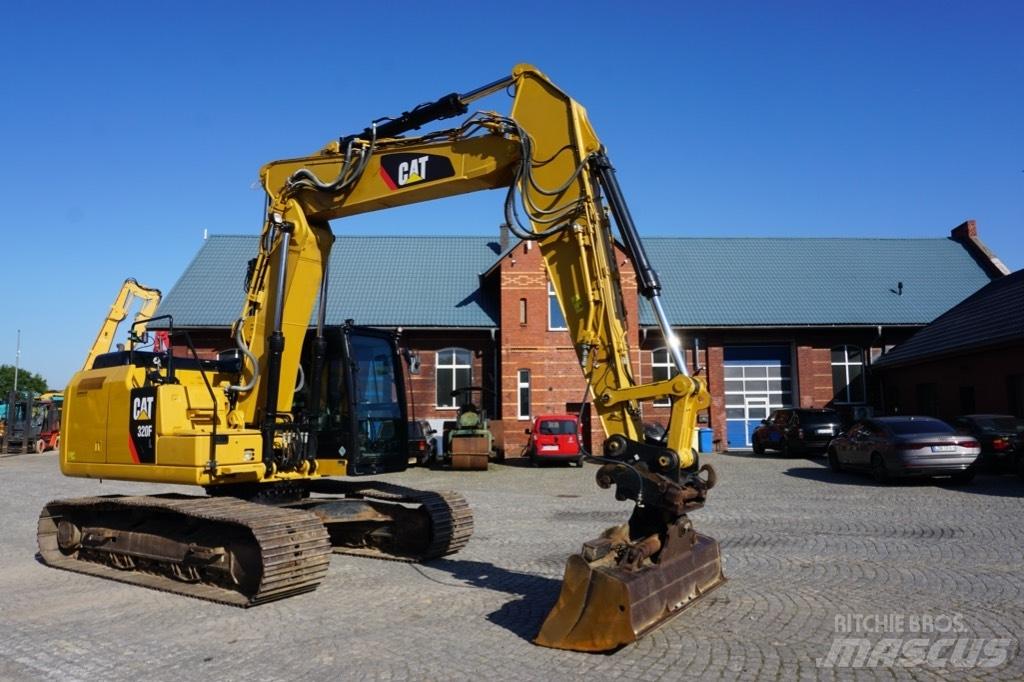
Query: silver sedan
[897, 447]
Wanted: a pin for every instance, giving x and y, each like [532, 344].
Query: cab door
[366, 421]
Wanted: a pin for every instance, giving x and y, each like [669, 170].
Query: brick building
[970, 360]
[769, 322]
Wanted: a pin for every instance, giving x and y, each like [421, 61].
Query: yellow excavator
[130, 292]
[299, 402]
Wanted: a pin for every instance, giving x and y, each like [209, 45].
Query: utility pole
[17, 362]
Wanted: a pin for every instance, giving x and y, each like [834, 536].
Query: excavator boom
[276, 419]
[130, 291]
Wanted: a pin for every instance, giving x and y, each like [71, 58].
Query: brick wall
[421, 388]
[556, 382]
[813, 374]
[988, 376]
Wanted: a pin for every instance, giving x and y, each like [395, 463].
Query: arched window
[662, 368]
[848, 375]
[454, 369]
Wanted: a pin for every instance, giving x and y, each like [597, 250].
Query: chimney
[964, 231]
[966, 234]
[503, 237]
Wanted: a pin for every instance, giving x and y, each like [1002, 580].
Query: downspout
[495, 397]
[881, 385]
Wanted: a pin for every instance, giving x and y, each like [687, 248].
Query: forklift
[30, 423]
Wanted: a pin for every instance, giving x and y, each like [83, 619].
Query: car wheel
[787, 451]
[40, 446]
[878, 470]
[756, 446]
[833, 461]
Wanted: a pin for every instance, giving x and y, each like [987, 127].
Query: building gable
[990, 317]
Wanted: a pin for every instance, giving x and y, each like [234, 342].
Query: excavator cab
[365, 415]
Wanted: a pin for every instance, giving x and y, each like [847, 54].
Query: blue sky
[129, 128]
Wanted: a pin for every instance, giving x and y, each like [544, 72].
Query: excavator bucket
[606, 603]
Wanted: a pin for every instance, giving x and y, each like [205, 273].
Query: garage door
[758, 379]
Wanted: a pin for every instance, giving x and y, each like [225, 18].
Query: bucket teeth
[606, 603]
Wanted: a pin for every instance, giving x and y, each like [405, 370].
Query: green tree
[27, 381]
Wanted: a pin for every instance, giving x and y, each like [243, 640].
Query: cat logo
[142, 408]
[399, 171]
[142, 425]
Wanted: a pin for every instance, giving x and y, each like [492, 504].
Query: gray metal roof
[433, 281]
[990, 317]
[734, 281]
[384, 281]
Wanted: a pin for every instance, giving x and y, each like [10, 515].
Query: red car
[555, 438]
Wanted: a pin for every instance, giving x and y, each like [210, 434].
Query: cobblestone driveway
[808, 555]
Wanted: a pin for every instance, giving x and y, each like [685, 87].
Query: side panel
[84, 422]
[116, 427]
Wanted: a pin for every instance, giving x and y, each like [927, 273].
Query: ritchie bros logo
[911, 640]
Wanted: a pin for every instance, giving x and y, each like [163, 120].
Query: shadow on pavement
[983, 484]
[522, 616]
[515, 462]
[770, 454]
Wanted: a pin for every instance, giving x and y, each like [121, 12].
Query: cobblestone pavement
[808, 554]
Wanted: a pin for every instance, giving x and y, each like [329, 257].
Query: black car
[1001, 437]
[421, 442]
[796, 431]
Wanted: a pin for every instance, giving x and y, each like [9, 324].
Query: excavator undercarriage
[244, 553]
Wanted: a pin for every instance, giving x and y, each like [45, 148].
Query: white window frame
[520, 385]
[668, 365]
[846, 364]
[453, 368]
[553, 299]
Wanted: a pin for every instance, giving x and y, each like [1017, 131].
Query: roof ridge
[648, 238]
[806, 238]
[375, 236]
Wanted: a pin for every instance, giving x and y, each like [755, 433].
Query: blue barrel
[705, 440]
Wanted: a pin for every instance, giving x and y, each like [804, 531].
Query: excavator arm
[561, 189]
[548, 156]
[130, 292]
